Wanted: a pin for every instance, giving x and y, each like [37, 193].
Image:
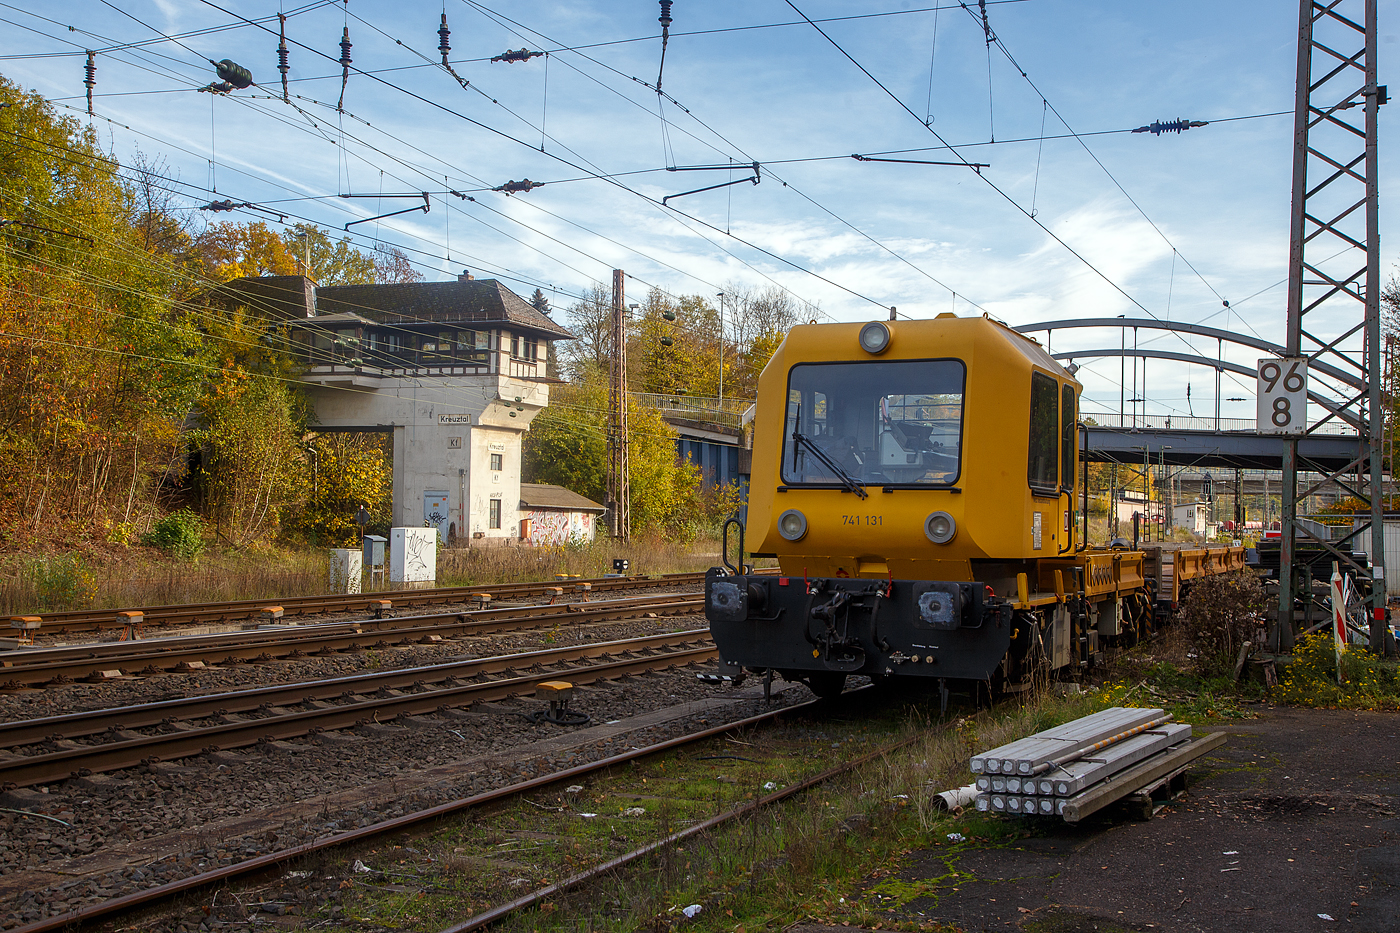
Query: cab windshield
[882, 423]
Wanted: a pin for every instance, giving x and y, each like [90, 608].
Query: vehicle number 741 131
[862, 519]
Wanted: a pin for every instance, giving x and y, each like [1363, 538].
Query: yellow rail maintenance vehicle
[918, 483]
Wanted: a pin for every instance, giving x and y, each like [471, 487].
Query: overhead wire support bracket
[228, 205]
[975, 166]
[1158, 127]
[712, 168]
[755, 179]
[425, 207]
[516, 55]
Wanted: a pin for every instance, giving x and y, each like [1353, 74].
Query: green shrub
[179, 534]
[65, 582]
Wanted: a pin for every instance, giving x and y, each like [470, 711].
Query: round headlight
[874, 337]
[940, 527]
[792, 525]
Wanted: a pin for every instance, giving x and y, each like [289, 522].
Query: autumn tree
[392, 266]
[98, 366]
[590, 320]
[567, 445]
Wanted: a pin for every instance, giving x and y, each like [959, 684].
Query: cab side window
[1067, 437]
[1043, 462]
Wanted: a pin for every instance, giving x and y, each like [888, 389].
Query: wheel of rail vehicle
[826, 684]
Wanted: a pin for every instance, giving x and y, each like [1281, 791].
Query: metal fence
[728, 412]
[1113, 419]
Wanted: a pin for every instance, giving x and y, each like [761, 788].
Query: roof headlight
[875, 337]
[792, 525]
[940, 527]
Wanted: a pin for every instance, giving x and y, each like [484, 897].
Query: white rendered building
[454, 370]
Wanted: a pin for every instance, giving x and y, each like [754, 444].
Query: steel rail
[116, 649]
[269, 645]
[360, 710]
[164, 712]
[91, 619]
[76, 918]
[501, 911]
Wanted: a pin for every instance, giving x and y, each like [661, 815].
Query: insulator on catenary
[230, 205]
[444, 47]
[233, 73]
[1158, 127]
[282, 65]
[516, 55]
[90, 77]
[665, 20]
[345, 61]
[512, 187]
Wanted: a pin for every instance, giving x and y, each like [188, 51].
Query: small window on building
[496, 461]
[532, 349]
[495, 514]
[1043, 464]
[515, 347]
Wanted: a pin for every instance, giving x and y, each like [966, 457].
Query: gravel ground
[1291, 827]
[147, 826]
[81, 697]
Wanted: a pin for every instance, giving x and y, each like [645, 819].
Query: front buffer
[821, 629]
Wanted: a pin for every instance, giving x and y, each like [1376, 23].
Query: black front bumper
[926, 628]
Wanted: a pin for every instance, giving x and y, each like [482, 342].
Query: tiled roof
[280, 296]
[549, 496]
[477, 301]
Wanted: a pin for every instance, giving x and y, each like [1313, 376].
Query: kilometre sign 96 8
[1283, 396]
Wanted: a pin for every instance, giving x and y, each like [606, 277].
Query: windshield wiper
[854, 485]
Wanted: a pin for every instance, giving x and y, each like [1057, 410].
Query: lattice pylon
[1334, 271]
[619, 491]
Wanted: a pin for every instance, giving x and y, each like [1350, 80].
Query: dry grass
[648, 555]
[144, 577]
[140, 576]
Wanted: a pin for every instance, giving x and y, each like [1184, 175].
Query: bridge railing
[728, 412]
[1113, 419]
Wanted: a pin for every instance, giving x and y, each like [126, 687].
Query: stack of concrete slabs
[1047, 793]
[1025, 757]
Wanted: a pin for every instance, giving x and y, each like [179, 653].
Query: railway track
[126, 905]
[200, 725]
[87, 620]
[33, 667]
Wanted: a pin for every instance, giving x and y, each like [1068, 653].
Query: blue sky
[1207, 219]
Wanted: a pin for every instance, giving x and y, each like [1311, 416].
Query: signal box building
[455, 371]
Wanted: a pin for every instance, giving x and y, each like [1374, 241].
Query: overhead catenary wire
[375, 150]
[476, 5]
[572, 164]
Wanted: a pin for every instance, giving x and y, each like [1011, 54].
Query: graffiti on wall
[412, 555]
[552, 528]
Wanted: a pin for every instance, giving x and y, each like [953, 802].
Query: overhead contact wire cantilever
[425, 207]
[754, 179]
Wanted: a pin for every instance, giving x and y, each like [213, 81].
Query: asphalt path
[1293, 819]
